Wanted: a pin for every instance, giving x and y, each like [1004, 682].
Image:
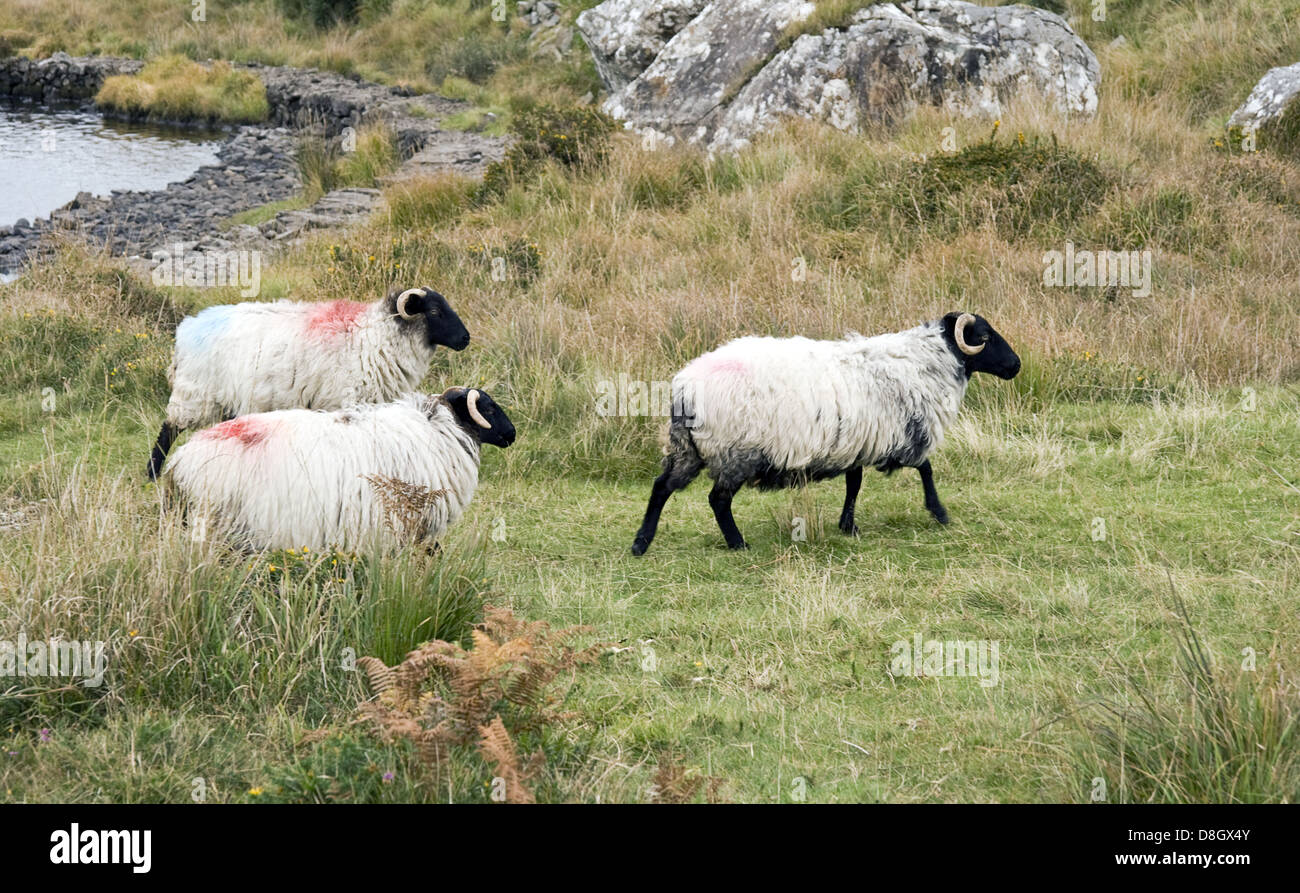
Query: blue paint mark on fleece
[195, 332]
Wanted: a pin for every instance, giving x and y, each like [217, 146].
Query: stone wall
[60, 78]
[301, 98]
[298, 98]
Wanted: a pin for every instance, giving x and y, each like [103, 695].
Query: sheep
[236, 359]
[370, 476]
[778, 412]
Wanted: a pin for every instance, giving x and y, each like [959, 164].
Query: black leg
[677, 474]
[852, 484]
[658, 496]
[165, 438]
[720, 500]
[931, 497]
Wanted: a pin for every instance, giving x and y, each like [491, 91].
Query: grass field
[1125, 513]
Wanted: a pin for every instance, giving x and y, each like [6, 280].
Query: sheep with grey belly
[236, 359]
[370, 476]
[777, 412]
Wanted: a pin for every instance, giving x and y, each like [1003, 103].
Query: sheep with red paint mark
[368, 477]
[779, 412]
[237, 359]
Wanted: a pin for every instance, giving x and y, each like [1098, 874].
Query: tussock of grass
[326, 164]
[176, 89]
[428, 202]
[826, 14]
[1230, 735]
[12, 40]
[328, 13]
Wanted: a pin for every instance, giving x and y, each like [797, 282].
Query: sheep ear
[455, 400]
[408, 304]
[461, 402]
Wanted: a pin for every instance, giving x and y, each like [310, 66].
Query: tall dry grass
[653, 257]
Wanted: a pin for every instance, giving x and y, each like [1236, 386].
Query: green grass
[492, 121]
[759, 668]
[174, 88]
[262, 213]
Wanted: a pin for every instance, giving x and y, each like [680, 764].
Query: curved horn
[959, 335]
[403, 298]
[472, 403]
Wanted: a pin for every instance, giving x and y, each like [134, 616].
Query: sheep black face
[978, 345]
[479, 414]
[416, 306]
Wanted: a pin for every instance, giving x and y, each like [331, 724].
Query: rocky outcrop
[539, 13]
[1271, 97]
[552, 35]
[625, 36]
[684, 89]
[722, 78]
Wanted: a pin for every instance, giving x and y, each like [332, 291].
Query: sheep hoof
[849, 529]
[941, 516]
[639, 547]
[736, 547]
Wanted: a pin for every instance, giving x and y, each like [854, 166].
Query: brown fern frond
[502, 624]
[514, 650]
[406, 505]
[499, 750]
[444, 696]
[483, 656]
[675, 783]
[526, 688]
[379, 676]
[434, 744]
[390, 725]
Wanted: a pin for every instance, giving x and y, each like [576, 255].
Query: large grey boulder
[625, 35]
[684, 90]
[1270, 98]
[720, 80]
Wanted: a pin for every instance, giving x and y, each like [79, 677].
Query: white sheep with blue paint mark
[236, 359]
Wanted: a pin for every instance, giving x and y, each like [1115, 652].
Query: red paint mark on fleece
[711, 365]
[248, 432]
[334, 318]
